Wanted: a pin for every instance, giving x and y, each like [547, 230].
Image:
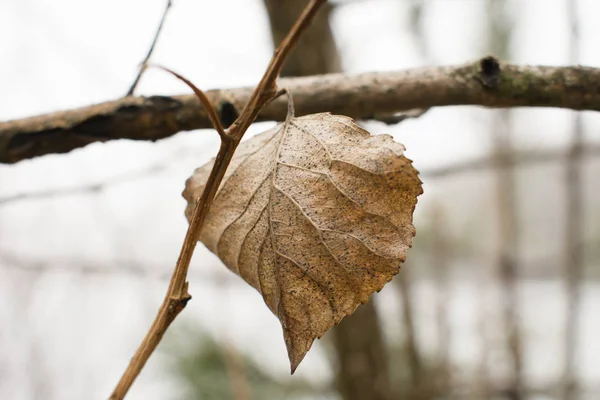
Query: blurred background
[499, 297]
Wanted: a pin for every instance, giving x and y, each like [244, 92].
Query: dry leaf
[316, 214]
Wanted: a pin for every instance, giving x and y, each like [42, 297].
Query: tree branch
[485, 83]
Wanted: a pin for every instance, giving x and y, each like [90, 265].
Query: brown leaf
[316, 214]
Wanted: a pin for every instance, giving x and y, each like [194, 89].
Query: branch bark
[485, 82]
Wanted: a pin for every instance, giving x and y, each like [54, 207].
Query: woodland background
[499, 297]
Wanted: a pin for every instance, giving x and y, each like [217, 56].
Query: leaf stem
[210, 111]
[177, 295]
[266, 89]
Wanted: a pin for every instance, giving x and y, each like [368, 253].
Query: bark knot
[489, 72]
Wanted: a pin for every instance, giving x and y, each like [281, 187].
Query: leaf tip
[297, 347]
[296, 356]
[293, 367]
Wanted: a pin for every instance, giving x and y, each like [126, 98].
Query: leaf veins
[315, 214]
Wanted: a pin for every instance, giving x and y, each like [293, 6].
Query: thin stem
[144, 63]
[212, 114]
[177, 295]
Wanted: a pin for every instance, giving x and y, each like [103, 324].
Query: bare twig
[89, 266]
[485, 82]
[212, 114]
[144, 63]
[177, 295]
[96, 187]
[90, 188]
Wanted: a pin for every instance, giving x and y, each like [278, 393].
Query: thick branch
[484, 83]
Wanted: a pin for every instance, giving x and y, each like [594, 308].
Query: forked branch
[210, 111]
[177, 295]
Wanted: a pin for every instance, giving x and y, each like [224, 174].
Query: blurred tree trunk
[404, 280]
[316, 52]
[440, 255]
[500, 28]
[573, 262]
[363, 370]
[414, 356]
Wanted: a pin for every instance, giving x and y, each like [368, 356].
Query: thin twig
[212, 114]
[177, 295]
[111, 267]
[144, 63]
[90, 188]
[95, 187]
[476, 165]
